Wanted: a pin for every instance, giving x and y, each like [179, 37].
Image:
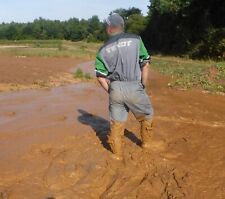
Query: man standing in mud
[122, 70]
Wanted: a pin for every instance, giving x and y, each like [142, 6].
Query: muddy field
[53, 144]
[20, 72]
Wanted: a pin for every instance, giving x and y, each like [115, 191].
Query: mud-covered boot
[115, 139]
[148, 139]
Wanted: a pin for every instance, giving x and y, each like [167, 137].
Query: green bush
[87, 76]
[212, 45]
[79, 74]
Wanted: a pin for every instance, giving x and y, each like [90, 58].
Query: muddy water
[53, 145]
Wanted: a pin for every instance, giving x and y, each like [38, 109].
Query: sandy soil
[53, 146]
[19, 73]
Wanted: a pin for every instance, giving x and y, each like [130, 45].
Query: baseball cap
[115, 20]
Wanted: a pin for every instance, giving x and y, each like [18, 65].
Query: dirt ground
[28, 72]
[53, 145]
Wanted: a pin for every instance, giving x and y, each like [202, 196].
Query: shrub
[79, 74]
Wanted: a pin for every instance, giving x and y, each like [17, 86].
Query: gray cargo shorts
[128, 96]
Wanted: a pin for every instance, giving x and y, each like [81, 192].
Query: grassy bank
[187, 73]
[48, 48]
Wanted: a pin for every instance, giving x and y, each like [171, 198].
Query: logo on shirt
[121, 44]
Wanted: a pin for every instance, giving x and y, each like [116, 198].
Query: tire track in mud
[156, 182]
[67, 173]
[128, 179]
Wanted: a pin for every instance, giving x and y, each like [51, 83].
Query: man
[122, 70]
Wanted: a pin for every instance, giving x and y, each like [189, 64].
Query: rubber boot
[115, 139]
[148, 138]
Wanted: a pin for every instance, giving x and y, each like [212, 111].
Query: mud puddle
[53, 145]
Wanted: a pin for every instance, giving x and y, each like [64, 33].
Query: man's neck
[116, 33]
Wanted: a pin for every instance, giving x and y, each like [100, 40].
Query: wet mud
[22, 73]
[53, 145]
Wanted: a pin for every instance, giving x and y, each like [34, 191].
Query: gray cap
[115, 20]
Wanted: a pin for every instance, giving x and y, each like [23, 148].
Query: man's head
[115, 24]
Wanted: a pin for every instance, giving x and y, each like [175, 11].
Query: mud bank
[21, 73]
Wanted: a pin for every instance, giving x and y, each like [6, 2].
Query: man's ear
[108, 30]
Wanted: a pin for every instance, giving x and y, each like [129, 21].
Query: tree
[186, 27]
[11, 32]
[94, 24]
[134, 20]
[125, 13]
[72, 29]
[136, 23]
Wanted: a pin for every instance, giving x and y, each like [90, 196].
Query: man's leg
[149, 139]
[118, 116]
[115, 139]
[141, 107]
[146, 131]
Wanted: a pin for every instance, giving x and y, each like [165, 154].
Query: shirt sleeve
[144, 56]
[100, 69]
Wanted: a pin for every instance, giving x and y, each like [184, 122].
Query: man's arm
[144, 63]
[104, 83]
[144, 74]
[101, 72]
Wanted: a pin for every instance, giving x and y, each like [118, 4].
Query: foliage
[187, 73]
[136, 24]
[211, 46]
[42, 29]
[193, 27]
[134, 20]
[126, 13]
[79, 74]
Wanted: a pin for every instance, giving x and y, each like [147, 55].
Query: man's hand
[144, 74]
[104, 83]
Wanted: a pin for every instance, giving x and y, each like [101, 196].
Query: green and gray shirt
[121, 58]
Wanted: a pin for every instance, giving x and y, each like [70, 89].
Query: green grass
[187, 73]
[79, 74]
[49, 48]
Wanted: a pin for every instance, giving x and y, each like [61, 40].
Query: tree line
[72, 29]
[178, 27]
[187, 27]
